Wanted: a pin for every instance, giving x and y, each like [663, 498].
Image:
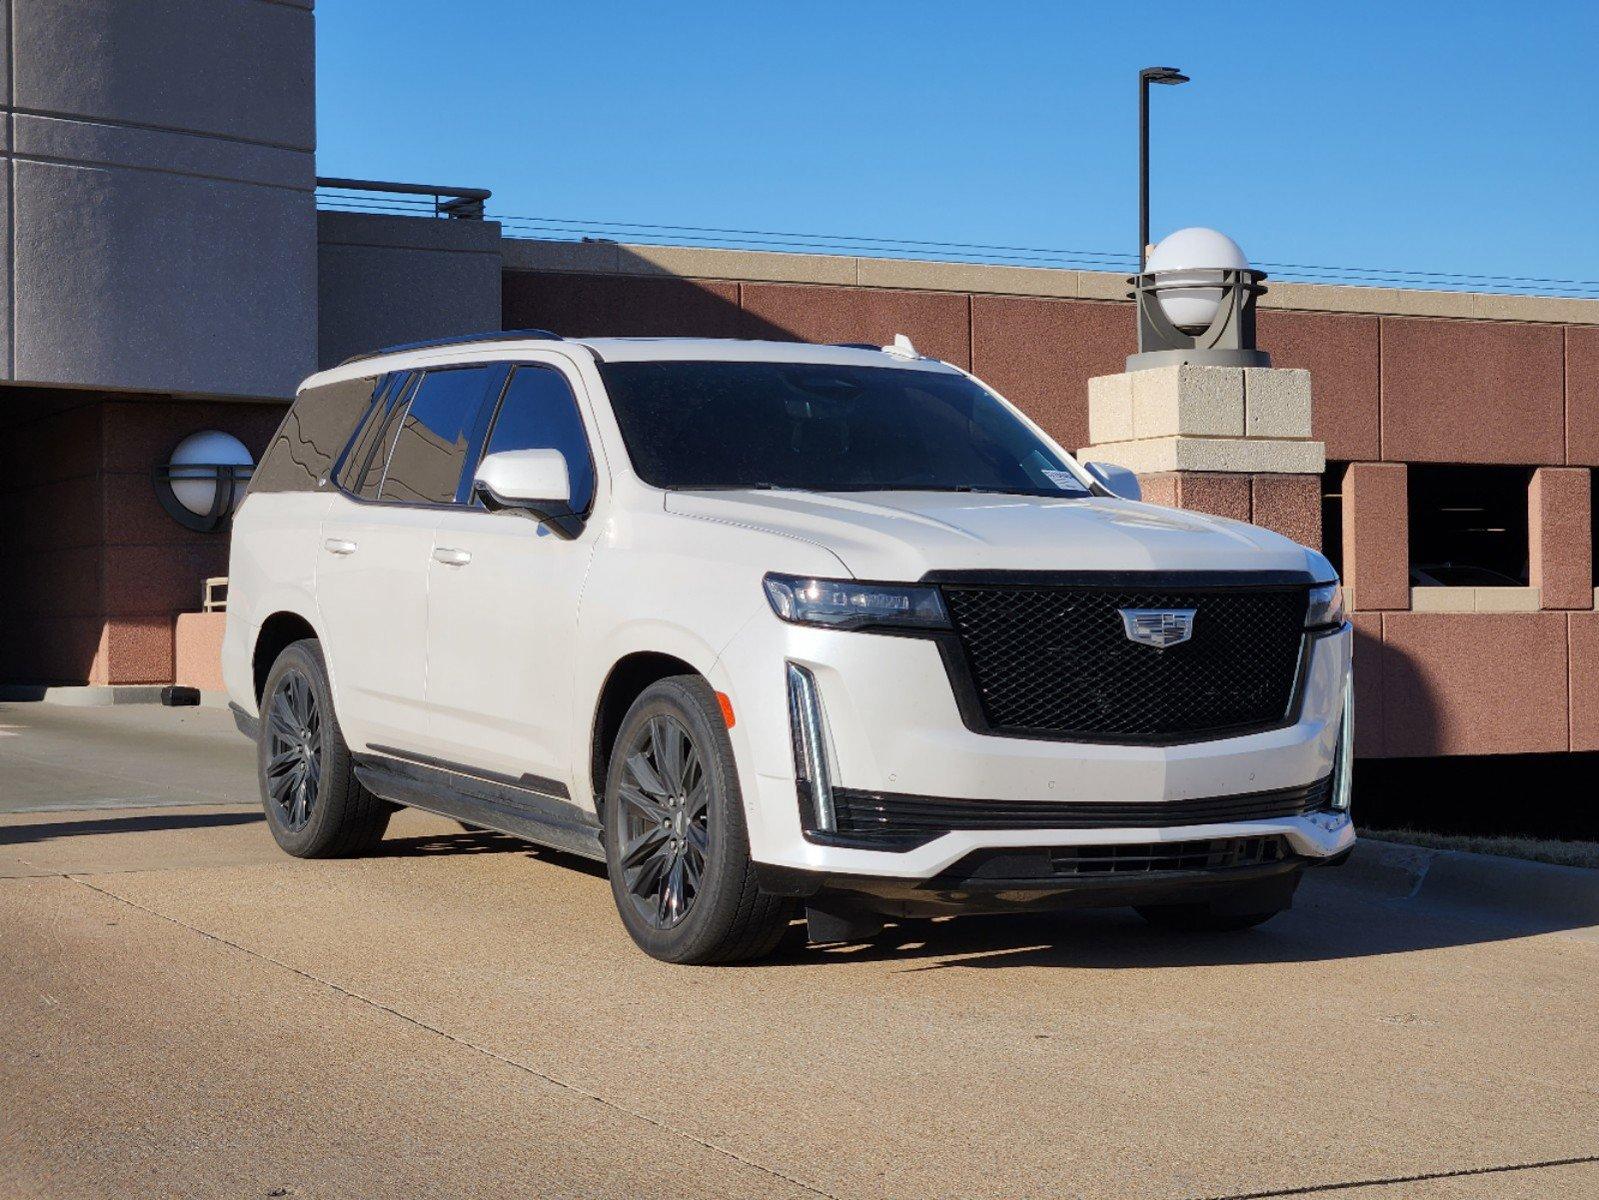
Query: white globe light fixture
[1196, 303]
[1191, 267]
[203, 480]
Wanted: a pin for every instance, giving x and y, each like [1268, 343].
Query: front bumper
[892, 726]
[1029, 881]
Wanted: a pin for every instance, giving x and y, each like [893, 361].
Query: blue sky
[1432, 136]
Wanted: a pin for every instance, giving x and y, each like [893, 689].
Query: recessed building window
[1332, 515]
[1468, 526]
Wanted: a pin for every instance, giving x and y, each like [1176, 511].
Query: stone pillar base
[1286, 504]
[1230, 441]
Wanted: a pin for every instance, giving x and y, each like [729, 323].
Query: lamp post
[1169, 76]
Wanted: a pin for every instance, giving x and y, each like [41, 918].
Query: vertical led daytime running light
[1344, 764]
[810, 744]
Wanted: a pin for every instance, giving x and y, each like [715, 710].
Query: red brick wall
[1394, 389]
[92, 571]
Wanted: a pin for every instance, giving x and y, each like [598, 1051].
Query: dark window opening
[539, 412]
[1465, 794]
[1468, 526]
[1332, 515]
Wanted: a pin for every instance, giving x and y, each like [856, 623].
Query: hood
[903, 535]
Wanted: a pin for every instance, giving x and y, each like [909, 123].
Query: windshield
[826, 428]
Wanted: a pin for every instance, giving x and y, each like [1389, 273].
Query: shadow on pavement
[13, 835]
[1330, 920]
[482, 841]
[1335, 922]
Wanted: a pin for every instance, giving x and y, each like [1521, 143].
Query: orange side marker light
[727, 708]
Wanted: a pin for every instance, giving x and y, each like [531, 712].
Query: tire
[315, 806]
[1202, 918]
[685, 889]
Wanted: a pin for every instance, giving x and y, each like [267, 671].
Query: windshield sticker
[1063, 479]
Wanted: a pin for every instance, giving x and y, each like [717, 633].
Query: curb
[1504, 889]
[84, 696]
[99, 695]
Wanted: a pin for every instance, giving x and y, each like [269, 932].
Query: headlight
[1326, 606]
[845, 604]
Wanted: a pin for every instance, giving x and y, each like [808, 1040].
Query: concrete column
[1559, 537]
[1225, 440]
[1377, 536]
[159, 225]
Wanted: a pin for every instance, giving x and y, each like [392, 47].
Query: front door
[503, 598]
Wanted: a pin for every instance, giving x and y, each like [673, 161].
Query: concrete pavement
[191, 1013]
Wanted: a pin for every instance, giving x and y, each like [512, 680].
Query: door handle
[451, 557]
[338, 546]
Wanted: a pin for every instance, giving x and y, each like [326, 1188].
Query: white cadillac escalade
[770, 627]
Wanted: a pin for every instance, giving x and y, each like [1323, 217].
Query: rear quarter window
[318, 424]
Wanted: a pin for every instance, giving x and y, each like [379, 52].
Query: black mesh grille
[891, 820]
[1056, 660]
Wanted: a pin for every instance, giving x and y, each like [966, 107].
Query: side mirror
[1119, 481]
[530, 481]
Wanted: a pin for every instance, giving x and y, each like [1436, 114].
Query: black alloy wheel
[294, 749]
[315, 804]
[665, 821]
[676, 846]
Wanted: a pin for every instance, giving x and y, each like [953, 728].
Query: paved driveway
[190, 1013]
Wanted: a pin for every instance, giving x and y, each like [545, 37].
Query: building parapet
[766, 266]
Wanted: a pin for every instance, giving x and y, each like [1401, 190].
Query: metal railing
[400, 199]
[589, 229]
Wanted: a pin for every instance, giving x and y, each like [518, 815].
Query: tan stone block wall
[1243, 456]
[1277, 403]
[1186, 400]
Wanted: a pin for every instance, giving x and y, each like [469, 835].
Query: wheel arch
[626, 681]
[277, 632]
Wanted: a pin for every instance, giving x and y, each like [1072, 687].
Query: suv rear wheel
[675, 839]
[315, 806]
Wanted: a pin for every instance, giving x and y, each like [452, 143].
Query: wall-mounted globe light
[1196, 303]
[203, 480]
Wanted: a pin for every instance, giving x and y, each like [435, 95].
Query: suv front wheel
[675, 839]
[315, 806]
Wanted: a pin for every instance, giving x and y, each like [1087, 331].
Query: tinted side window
[539, 412]
[351, 469]
[435, 433]
[318, 424]
[367, 476]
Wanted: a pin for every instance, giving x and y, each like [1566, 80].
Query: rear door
[503, 600]
[403, 471]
